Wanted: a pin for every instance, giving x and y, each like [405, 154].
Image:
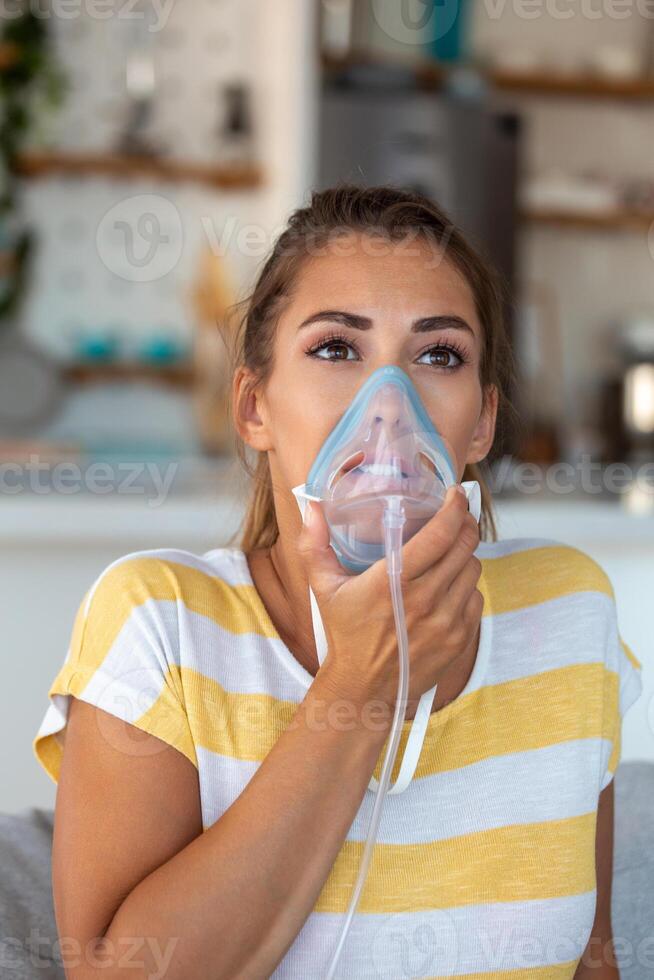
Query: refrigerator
[461, 152]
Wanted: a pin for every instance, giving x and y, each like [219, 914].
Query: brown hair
[394, 213]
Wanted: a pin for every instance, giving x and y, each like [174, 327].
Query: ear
[249, 410]
[484, 433]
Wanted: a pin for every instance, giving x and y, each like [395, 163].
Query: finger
[321, 565]
[445, 571]
[464, 585]
[433, 541]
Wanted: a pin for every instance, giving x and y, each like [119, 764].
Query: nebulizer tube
[383, 463]
[393, 521]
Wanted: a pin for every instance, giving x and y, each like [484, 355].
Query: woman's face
[362, 303]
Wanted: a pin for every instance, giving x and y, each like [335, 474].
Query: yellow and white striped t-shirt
[484, 866]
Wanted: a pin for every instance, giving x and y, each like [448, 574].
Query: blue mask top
[384, 444]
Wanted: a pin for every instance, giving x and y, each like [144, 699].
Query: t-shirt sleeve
[623, 685]
[123, 657]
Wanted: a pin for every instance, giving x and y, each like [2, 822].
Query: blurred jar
[236, 132]
[336, 28]
[213, 295]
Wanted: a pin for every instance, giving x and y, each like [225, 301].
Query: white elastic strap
[413, 745]
[318, 628]
[420, 720]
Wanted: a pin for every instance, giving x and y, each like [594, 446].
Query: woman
[212, 806]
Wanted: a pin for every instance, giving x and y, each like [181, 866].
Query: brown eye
[444, 352]
[337, 347]
[331, 343]
[444, 356]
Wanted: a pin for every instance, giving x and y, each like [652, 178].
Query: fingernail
[308, 513]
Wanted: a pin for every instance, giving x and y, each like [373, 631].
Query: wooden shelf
[431, 74]
[578, 86]
[40, 164]
[177, 375]
[620, 220]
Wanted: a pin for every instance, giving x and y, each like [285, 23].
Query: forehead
[370, 274]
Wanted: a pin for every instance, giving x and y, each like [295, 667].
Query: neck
[293, 586]
[279, 577]
[278, 574]
[284, 590]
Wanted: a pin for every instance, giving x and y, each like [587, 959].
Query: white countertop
[81, 518]
[196, 499]
[574, 520]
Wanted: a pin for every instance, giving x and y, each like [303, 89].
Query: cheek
[456, 419]
[299, 426]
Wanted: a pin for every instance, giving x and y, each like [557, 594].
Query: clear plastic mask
[384, 444]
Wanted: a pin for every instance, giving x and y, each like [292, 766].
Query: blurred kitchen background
[150, 153]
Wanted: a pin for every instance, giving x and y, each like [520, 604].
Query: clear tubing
[393, 521]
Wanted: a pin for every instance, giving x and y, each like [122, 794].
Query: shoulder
[135, 607]
[544, 577]
[131, 639]
[165, 602]
[559, 567]
[162, 575]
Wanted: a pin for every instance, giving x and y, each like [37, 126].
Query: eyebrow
[421, 325]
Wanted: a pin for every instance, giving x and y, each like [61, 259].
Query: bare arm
[598, 961]
[132, 865]
[129, 855]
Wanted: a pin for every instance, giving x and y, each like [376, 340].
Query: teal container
[450, 30]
